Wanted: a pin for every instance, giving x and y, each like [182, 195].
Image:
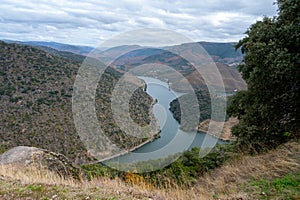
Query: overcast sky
[91, 22]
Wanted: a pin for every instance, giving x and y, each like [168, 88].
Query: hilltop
[221, 52]
[126, 57]
[75, 49]
[225, 57]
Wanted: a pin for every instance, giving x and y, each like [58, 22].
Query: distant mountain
[125, 58]
[220, 52]
[223, 52]
[114, 53]
[64, 54]
[76, 49]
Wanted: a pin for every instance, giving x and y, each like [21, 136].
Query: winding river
[172, 140]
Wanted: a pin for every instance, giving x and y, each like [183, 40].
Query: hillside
[37, 85]
[36, 88]
[128, 56]
[221, 52]
[272, 175]
[154, 61]
[35, 102]
[76, 49]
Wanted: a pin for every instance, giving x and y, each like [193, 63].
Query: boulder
[41, 158]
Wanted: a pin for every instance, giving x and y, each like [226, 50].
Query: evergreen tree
[269, 109]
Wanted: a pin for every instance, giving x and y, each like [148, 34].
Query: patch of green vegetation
[12, 190]
[139, 107]
[192, 164]
[4, 146]
[186, 101]
[268, 111]
[36, 188]
[186, 106]
[287, 187]
[98, 170]
[183, 172]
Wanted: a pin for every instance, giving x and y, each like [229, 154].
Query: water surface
[172, 140]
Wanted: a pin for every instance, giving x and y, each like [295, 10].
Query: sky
[92, 22]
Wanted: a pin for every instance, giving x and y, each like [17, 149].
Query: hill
[76, 49]
[154, 60]
[36, 90]
[36, 102]
[223, 52]
[128, 56]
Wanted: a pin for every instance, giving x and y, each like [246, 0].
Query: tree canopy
[269, 110]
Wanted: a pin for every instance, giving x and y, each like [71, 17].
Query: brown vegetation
[226, 131]
[227, 182]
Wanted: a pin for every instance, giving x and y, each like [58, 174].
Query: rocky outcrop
[41, 158]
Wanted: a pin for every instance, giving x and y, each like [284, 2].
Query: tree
[268, 110]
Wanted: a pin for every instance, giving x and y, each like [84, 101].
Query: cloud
[91, 22]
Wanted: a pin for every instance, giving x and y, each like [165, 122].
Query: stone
[41, 158]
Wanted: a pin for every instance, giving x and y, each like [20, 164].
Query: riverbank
[150, 139]
[171, 139]
[226, 131]
[126, 151]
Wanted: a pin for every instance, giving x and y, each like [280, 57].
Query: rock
[23, 155]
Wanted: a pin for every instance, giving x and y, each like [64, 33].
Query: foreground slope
[272, 175]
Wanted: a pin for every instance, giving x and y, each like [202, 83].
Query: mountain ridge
[220, 50]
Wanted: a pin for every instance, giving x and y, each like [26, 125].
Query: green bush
[183, 172]
[270, 107]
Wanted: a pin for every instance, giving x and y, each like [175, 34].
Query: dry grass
[227, 182]
[32, 174]
[230, 180]
[18, 181]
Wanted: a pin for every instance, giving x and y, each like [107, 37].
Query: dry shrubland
[226, 182]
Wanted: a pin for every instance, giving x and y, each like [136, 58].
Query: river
[172, 140]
